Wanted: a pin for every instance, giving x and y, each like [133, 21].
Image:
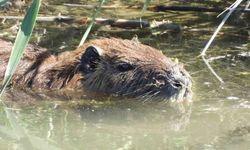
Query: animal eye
[125, 67]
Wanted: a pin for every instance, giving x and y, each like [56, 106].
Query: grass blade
[22, 39]
[2, 2]
[145, 6]
[230, 11]
[203, 53]
[91, 23]
[21, 42]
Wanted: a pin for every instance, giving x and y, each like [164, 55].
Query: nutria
[113, 66]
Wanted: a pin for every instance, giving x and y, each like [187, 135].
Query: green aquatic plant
[96, 12]
[145, 6]
[230, 10]
[18, 133]
[2, 2]
[21, 41]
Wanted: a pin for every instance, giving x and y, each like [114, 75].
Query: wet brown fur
[40, 69]
[49, 71]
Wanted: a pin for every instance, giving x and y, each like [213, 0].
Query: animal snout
[177, 84]
[180, 83]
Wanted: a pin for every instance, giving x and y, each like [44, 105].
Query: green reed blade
[145, 6]
[21, 41]
[2, 2]
[91, 23]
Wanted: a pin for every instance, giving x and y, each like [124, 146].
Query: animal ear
[90, 59]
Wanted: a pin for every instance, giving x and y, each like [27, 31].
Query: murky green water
[218, 118]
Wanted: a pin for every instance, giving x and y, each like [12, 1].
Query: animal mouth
[174, 91]
[183, 95]
[178, 89]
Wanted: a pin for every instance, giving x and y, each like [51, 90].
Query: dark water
[218, 118]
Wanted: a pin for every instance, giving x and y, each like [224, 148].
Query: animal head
[128, 68]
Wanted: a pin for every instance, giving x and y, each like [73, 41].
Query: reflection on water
[114, 125]
[217, 119]
[221, 124]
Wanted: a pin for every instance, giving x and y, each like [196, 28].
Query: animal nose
[178, 84]
[181, 83]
